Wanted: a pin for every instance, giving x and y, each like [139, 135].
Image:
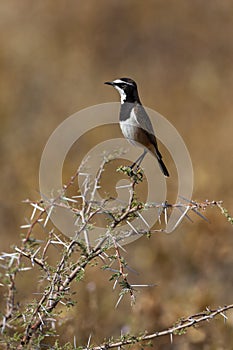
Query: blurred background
[54, 59]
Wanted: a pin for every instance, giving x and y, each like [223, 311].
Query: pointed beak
[109, 83]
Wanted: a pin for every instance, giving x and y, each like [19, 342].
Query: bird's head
[127, 89]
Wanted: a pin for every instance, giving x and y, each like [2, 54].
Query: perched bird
[134, 121]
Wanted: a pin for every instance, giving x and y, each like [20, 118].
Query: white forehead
[119, 81]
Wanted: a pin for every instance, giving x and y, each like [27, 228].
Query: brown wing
[146, 135]
[144, 123]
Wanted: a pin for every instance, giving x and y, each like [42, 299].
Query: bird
[135, 123]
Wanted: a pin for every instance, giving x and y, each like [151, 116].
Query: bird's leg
[139, 160]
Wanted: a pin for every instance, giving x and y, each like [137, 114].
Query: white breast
[127, 127]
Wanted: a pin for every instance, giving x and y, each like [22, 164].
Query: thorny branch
[179, 328]
[59, 278]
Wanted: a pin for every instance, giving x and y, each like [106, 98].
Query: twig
[179, 328]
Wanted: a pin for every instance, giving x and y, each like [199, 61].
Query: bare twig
[179, 328]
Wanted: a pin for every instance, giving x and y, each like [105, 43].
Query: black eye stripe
[122, 83]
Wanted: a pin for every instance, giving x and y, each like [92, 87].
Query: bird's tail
[163, 167]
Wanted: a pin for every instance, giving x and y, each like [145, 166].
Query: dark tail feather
[163, 167]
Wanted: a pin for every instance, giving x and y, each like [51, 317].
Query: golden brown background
[54, 58]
